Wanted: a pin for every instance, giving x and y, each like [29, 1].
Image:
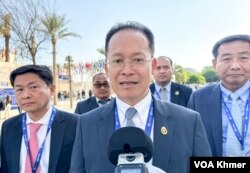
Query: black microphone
[129, 140]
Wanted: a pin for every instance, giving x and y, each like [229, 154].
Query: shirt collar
[43, 120]
[158, 87]
[142, 107]
[243, 91]
[97, 99]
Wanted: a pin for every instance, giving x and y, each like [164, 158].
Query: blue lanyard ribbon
[157, 95]
[40, 151]
[149, 123]
[241, 137]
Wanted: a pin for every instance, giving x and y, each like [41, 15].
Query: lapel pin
[177, 93]
[164, 130]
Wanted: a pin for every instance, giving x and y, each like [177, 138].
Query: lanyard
[149, 123]
[241, 137]
[157, 95]
[40, 151]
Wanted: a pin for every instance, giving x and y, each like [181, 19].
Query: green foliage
[210, 75]
[181, 75]
[196, 79]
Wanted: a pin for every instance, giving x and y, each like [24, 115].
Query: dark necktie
[129, 115]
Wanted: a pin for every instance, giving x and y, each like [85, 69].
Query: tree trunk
[7, 49]
[54, 69]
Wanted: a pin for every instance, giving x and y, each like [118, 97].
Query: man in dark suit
[177, 132]
[232, 64]
[163, 72]
[102, 94]
[55, 129]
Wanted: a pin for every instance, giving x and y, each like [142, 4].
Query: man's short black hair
[229, 39]
[131, 25]
[42, 71]
[98, 74]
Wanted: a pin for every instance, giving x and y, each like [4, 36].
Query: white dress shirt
[44, 162]
[140, 120]
[157, 90]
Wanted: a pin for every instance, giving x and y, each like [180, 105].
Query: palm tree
[5, 31]
[56, 27]
[101, 51]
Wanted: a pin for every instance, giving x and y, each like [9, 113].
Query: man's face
[32, 94]
[101, 87]
[233, 64]
[163, 71]
[130, 81]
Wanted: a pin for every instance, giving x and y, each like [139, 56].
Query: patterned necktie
[33, 143]
[164, 94]
[233, 144]
[129, 115]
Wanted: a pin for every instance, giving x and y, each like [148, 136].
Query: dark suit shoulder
[67, 115]
[13, 120]
[167, 108]
[90, 99]
[207, 89]
[182, 87]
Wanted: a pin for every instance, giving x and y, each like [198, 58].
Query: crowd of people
[182, 123]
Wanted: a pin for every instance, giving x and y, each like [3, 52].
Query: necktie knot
[34, 128]
[129, 115]
[103, 102]
[164, 94]
[234, 96]
[163, 89]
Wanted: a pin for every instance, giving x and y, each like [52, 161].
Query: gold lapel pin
[177, 93]
[164, 130]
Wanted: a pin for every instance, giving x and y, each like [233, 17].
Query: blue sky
[184, 30]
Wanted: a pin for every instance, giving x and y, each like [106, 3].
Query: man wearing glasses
[101, 90]
[177, 132]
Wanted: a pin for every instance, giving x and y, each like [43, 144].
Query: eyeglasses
[137, 61]
[99, 85]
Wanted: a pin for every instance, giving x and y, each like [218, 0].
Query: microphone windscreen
[129, 140]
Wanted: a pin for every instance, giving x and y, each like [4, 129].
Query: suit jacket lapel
[216, 118]
[57, 133]
[16, 143]
[93, 104]
[106, 124]
[175, 98]
[162, 142]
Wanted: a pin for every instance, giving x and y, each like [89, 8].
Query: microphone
[129, 140]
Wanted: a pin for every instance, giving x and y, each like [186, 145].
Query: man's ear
[153, 64]
[106, 69]
[214, 62]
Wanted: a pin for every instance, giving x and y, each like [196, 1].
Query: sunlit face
[130, 82]
[233, 64]
[101, 87]
[163, 71]
[32, 94]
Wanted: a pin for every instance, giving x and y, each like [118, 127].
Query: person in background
[7, 107]
[42, 130]
[83, 94]
[90, 93]
[102, 94]
[163, 88]
[2, 107]
[216, 103]
[177, 132]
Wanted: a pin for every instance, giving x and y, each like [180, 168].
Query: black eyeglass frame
[100, 85]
